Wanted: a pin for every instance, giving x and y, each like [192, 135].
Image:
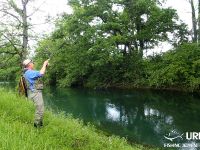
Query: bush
[179, 68]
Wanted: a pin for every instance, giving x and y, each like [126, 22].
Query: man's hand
[43, 69]
[46, 63]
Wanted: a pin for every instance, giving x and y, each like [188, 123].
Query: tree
[194, 22]
[199, 20]
[15, 31]
[11, 9]
[103, 46]
[15, 24]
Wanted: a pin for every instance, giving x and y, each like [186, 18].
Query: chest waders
[36, 96]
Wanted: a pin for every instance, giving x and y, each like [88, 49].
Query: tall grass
[59, 132]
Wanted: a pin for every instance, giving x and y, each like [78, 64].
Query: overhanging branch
[11, 42]
[14, 16]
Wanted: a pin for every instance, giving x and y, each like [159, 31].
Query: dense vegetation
[99, 46]
[9, 66]
[179, 68]
[59, 132]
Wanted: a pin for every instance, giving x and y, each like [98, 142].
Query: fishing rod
[50, 54]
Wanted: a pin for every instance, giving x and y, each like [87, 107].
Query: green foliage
[98, 46]
[59, 132]
[9, 67]
[10, 63]
[177, 68]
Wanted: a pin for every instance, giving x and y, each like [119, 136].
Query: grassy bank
[59, 132]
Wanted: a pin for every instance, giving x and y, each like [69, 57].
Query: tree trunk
[194, 22]
[25, 29]
[198, 21]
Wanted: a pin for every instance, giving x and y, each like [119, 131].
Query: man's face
[31, 65]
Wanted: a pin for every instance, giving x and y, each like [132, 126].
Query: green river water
[141, 116]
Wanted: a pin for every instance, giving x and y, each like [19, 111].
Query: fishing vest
[38, 85]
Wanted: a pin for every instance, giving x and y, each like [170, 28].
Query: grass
[60, 132]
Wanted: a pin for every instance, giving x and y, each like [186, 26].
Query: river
[142, 116]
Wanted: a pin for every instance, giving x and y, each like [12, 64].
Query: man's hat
[26, 62]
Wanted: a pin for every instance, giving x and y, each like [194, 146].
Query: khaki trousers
[36, 97]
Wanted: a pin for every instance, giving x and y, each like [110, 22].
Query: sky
[48, 8]
[183, 9]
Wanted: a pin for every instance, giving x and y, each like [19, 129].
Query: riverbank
[132, 87]
[59, 131]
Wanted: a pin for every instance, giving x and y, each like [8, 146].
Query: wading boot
[38, 125]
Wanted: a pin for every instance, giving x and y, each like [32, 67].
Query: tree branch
[14, 6]
[14, 16]
[2, 65]
[16, 49]
[36, 10]
[8, 52]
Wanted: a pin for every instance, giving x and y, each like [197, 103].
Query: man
[35, 88]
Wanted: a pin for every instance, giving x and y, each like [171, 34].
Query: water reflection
[8, 85]
[141, 116]
[112, 113]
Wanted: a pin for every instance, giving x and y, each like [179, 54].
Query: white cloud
[48, 8]
[183, 9]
